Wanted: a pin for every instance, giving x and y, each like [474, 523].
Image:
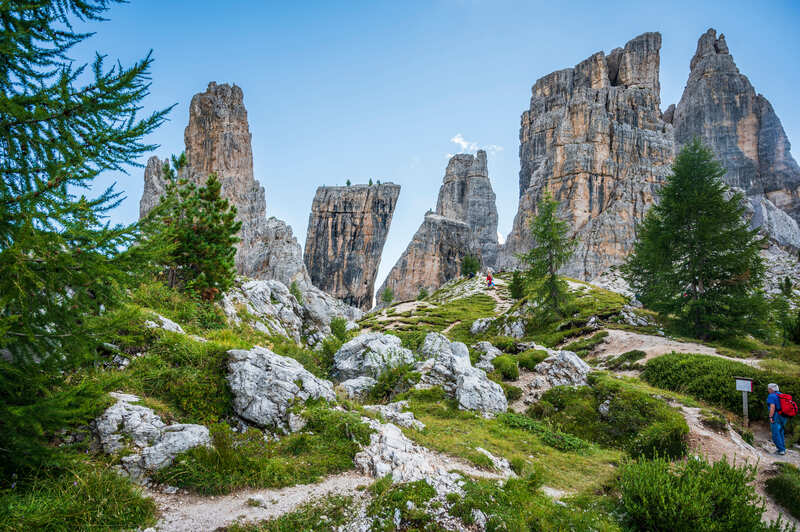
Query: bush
[505, 344]
[423, 293]
[636, 422]
[710, 379]
[339, 328]
[626, 360]
[470, 266]
[688, 496]
[295, 291]
[507, 367]
[530, 358]
[394, 381]
[511, 392]
[585, 346]
[785, 488]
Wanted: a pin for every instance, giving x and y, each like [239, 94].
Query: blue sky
[360, 90]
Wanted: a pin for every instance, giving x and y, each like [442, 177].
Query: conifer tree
[61, 262]
[697, 259]
[201, 225]
[551, 251]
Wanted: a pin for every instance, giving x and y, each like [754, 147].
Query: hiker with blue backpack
[781, 408]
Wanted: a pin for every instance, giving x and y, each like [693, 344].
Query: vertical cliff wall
[594, 137]
[218, 140]
[347, 229]
[465, 223]
[466, 195]
[720, 105]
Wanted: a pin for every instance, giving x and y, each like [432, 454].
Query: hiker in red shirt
[489, 280]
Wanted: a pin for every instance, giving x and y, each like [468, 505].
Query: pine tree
[387, 296]
[696, 258]
[517, 285]
[202, 227]
[551, 251]
[61, 262]
[470, 265]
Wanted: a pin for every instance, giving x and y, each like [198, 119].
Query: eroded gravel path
[194, 513]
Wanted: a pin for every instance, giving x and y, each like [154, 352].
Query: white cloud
[471, 146]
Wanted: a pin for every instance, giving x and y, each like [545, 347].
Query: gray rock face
[154, 443]
[772, 222]
[561, 368]
[276, 309]
[466, 195]
[265, 386]
[432, 258]
[595, 139]
[390, 452]
[394, 413]
[218, 141]
[347, 230]
[448, 366]
[720, 106]
[490, 352]
[357, 388]
[465, 223]
[369, 355]
[155, 185]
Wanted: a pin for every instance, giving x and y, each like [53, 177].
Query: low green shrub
[244, 460]
[511, 392]
[626, 360]
[635, 421]
[711, 379]
[409, 499]
[692, 495]
[530, 358]
[87, 498]
[507, 367]
[585, 346]
[785, 488]
[518, 504]
[394, 381]
[505, 344]
[339, 328]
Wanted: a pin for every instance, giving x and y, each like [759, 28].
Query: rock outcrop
[369, 355]
[448, 366]
[266, 386]
[464, 223]
[432, 258]
[594, 138]
[151, 443]
[347, 230]
[466, 195]
[720, 105]
[218, 140]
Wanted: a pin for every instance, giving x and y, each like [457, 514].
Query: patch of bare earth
[618, 342]
[193, 513]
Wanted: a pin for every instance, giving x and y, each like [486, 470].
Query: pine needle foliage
[201, 227]
[552, 249]
[61, 125]
[697, 259]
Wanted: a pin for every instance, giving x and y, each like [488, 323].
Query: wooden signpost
[744, 385]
